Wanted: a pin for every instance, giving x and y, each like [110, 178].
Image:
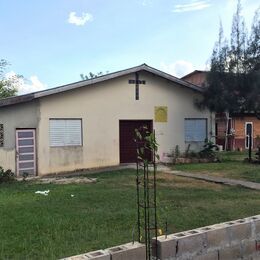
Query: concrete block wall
[239, 239]
[129, 251]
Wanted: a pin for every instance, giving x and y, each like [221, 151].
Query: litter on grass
[45, 192]
[72, 195]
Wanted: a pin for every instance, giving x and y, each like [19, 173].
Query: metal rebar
[148, 213]
[146, 188]
[138, 201]
[145, 211]
[155, 202]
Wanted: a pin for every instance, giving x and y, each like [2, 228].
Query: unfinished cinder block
[217, 238]
[240, 231]
[191, 244]
[76, 257]
[228, 253]
[207, 256]
[166, 247]
[256, 224]
[257, 252]
[98, 255]
[253, 218]
[248, 248]
[128, 251]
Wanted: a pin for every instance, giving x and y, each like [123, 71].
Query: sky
[51, 42]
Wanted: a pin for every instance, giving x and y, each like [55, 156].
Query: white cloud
[80, 20]
[25, 86]
[192, 6]
[178, 68]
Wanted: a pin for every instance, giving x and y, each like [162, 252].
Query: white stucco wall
[24, 115]
[101, 106]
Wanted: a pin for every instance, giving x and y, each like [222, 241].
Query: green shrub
[25, 175]
[6, 176]
[193, 154]
[209, 150]
[177, 151]
[187, 151]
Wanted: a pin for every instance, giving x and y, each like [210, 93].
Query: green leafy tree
[217, 76]
[8, 87]
[253, 63]
[238, 44]
[254, 43]
[233, 79]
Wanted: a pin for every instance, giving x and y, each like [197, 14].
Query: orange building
[232, 131]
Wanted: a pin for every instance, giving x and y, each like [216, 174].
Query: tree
[233, 79]
[253, 64]
[216, 76]
[92, 75]
[254, 43]
[8, 87]
[238, 44]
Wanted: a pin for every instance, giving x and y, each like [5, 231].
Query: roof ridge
[82, 83]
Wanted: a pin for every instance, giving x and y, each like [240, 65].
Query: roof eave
[17, 100]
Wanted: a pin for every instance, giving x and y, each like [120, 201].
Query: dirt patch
[165, 179]
[211, 173]
[62, 180]
[169, 180]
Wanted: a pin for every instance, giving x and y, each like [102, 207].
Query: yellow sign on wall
[161, 114]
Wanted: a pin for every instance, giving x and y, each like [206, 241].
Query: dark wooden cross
[137, 82]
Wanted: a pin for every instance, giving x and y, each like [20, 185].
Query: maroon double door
[126, 138]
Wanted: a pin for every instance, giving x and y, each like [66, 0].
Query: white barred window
[195, 129]
[65, 132]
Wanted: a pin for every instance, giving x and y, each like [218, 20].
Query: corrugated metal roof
[31, 96]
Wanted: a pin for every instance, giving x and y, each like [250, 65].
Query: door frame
[252, 136]
[16, 150]
[134, 120]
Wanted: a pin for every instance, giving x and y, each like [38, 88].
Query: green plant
[177, 151]
[193, 154]
[149, 144]
[209, 150]
[186, 154]
[6, 176]
[25, 175]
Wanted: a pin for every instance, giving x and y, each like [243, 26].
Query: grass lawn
[103, 214]
[231, 166]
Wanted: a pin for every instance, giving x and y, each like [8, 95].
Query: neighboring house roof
[193, 72]
[31, 96]
[197, 77]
